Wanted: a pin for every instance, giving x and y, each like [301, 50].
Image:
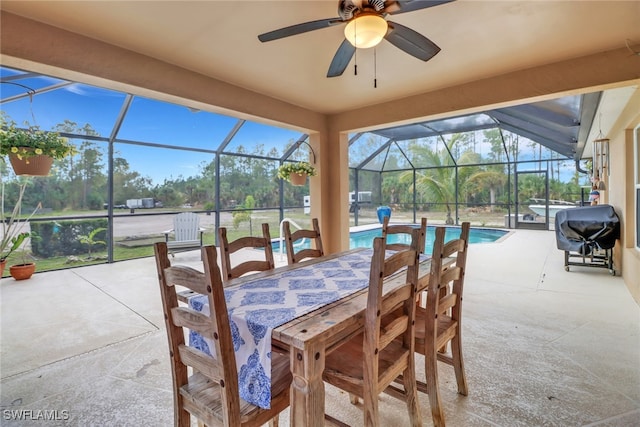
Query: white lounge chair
[187, 234]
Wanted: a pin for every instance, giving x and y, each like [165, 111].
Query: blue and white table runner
[258, 306]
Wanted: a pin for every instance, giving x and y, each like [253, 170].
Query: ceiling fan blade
[403, 6]
[410, 41]
[341, 59]
[299, 29]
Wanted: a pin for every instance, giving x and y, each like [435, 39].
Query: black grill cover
[582, 229]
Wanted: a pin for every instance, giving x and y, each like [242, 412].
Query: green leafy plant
[16, 242]
[32, 141]
[89, 239]
[12, 228]
[288, 168]
[243, 212]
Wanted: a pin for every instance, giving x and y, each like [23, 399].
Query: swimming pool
[364, 239]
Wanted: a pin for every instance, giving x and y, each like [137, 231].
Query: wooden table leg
[307, 388]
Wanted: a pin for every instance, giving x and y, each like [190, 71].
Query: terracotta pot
[3, 263]
[39, 165]
[298, 178]
[22, 271]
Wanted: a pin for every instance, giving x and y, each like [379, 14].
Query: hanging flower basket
[37, 165]
[298, 178]
[32, 151]
[296, 173]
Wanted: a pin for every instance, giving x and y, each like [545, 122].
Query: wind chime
[600, 160]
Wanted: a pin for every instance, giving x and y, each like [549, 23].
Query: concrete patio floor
[542, 346]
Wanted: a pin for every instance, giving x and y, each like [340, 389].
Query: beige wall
[620, 192]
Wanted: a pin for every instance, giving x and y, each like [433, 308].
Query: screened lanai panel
[363, 147]
[376, 163]
[462, 124]
[261, 140]
[397, 159]
[244, 177]
[164, 123]
[524, 149]
[428, 152]
[478, 147]
[75, 106]
[404, 132]
[439, 127]
[16, 83]
[175, 178]
[414, 150]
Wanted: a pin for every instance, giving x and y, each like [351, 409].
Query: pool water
[364, 239]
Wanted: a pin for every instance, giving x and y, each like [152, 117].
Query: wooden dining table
[310, 337]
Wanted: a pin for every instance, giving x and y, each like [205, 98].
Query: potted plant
[296, 173]
[25, 269]
[31, 151]
[13, 234]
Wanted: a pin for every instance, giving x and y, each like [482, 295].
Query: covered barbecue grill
[588, 234]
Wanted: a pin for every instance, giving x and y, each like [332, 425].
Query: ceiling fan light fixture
[367, 30]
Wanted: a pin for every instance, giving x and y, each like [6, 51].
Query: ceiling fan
[366, 26]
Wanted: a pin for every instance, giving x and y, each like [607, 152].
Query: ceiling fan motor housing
[347, 9]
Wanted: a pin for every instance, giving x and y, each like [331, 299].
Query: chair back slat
[187, 277]
[231, 271]
[452, 247]
[393, 330]
[290, 239]
[451, 274]
[187, 318]
[407, 230]
[446, 303]
[397, 261]
[395, 298]
[201, 362]
[247, 242]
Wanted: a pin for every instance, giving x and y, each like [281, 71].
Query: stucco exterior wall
[620, 193]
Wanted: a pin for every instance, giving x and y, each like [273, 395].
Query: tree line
[80, 182]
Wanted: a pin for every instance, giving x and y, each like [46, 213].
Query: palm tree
[488, 178]
[438, 183]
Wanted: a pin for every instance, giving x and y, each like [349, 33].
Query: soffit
[479, 39]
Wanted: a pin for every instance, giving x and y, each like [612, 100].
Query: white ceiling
[479, 39]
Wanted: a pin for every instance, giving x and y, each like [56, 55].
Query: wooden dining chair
[290, 240]
[229, 271]
[404, 229]
[211, 393]
[439, 322]
[366, 364]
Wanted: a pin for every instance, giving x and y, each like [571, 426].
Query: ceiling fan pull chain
[355, 63]
[375, 68]
[355, 52]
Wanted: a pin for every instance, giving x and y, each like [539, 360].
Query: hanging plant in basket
[32, 151]
[296, 173]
